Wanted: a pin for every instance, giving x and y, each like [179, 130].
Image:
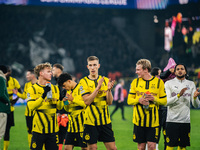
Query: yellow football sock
[29, 139]
[43, 147]
[181, 148]
[169, 148]
[5, 145]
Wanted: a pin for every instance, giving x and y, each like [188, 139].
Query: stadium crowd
[58, 36]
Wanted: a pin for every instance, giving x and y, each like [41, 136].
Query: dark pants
[162, 122]
[121, 106]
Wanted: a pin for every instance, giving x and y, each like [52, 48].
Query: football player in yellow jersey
[31, 78]
[12, 83]
[97, 95]
[44, 100]
[75, 107]
[146, 94]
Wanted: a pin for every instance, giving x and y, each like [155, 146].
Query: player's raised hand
[143, 100]
[110, 84]
[15, 91]
[196, 93]
[69, 96]
[182, 91]
[100, 83]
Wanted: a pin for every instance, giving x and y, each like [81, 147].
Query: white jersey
[178, 109]
[168, 38]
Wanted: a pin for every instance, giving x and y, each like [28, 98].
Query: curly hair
[40, 67]
[63, 78]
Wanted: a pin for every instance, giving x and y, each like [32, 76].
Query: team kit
[76, 114]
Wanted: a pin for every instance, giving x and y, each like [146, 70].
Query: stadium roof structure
[130, 4]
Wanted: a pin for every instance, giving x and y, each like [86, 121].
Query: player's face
[28, 76]
[67, 85]
[180, 71]
[139, 71]
[93, 67]
[55, 71]
[46, 73]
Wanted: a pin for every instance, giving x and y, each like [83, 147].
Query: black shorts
[10, 119]
[75, 139]
[178, 134]
[29, 123]
[103, 133]
[62, 133]
[145, 134]
[50, 140]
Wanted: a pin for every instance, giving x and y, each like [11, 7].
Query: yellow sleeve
[133, 99]
[79, 101]
[17, 85]
[33, 102]
[59, 105]
[23, 95]
[162, 100]
[84, 87]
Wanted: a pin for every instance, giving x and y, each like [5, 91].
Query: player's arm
[170, 99]
[19, 93]
[162, 99]
[194, 96]
[17, 86]
[89, 98]
[33, 102]
[132, 98]
[109, 96]
[79, 101]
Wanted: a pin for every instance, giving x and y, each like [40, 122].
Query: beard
[180, 77]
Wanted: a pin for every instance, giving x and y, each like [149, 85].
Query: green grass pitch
[123, 131]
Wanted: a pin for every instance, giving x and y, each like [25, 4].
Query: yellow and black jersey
[24, 96]
[146, 117]
[97, 112]
[44, 119]
[76, 110]
[12, 84]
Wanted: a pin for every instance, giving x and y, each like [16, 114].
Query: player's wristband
[178, 95]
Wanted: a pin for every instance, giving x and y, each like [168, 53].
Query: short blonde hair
[91, 58]
[146, 64]
[40, 67]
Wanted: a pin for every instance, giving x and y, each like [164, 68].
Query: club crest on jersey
[153, 86]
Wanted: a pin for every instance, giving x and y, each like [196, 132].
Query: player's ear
[99, 65]
[41, 73]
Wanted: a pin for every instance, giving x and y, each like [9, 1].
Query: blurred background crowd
[30, 35]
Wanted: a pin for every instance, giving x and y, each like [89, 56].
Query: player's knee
[151, 146]
[114, 148]
[92, 147]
